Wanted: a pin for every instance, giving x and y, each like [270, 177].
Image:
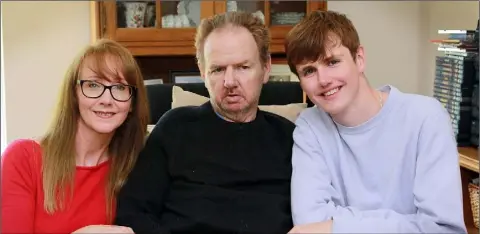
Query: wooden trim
[207, 9]
[469, 158]
[158, 14]
[220, 7]
[95, 23]
[111, 16]
[316, 5]
[266, 13]
[154, 34]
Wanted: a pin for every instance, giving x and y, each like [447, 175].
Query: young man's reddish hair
[310, 39]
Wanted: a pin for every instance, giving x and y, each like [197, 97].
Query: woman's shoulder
[21, 152]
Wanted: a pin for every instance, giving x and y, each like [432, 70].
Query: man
[366, 160]
[223, 167]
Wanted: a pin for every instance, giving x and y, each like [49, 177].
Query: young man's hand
[320, 227]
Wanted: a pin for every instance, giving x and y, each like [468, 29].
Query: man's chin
[233, 108]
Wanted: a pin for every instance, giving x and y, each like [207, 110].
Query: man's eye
[215, 70]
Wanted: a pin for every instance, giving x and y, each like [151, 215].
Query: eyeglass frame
[133, 90]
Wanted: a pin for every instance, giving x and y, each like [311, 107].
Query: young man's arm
[140, 201]
[437, 187]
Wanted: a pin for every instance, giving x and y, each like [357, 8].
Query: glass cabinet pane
[136, 14]
[180, 14]
[255, 7]
[287, 12]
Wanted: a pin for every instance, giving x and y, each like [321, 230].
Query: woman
[68, 180]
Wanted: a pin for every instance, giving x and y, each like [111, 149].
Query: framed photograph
[179, 77]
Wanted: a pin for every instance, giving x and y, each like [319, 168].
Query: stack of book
[455, 82]
[474, 139]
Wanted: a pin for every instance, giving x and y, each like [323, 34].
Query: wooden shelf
[469, 158]
[472, 230]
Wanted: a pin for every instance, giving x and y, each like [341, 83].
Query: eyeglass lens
[94, 89]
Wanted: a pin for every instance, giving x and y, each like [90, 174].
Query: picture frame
[181, 77]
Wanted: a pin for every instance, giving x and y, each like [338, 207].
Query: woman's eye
[93, 85]
[120, 87]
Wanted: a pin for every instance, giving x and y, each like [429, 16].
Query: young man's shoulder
[420, 105]
[314, 116]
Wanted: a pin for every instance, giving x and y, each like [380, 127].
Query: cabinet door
[154, 27]
[279, 16]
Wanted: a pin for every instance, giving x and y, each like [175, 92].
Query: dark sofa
[273, 93]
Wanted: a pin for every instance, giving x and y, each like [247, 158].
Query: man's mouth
[331, 91]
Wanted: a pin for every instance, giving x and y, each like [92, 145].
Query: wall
[41, 38]
[390, 33]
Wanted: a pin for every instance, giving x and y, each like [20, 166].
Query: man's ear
[202, 71]
[360, 59]
[267, 68]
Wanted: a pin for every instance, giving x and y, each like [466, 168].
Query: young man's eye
[333, 62]
[308, 71]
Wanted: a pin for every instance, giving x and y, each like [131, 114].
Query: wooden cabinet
[166, 28]
[469, 165]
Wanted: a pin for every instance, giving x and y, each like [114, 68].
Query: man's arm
[140, 201]
[437, 187]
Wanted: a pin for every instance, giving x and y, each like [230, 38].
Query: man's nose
[323, 78]
[230, 80]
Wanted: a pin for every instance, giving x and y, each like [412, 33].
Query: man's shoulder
[180, 115]
[423, 106]
[278, 121]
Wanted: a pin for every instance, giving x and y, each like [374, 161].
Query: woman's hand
[103, 229]
[320, 227]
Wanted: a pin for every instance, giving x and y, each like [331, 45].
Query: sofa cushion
[181, 97]
[273, 93]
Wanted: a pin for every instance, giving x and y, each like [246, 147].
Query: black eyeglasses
[119, 92]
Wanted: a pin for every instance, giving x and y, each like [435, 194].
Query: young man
[366, 160]
[223, 167]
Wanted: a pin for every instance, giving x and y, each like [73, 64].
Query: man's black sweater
[201, 174]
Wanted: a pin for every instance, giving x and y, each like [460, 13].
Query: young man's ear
[360, 59]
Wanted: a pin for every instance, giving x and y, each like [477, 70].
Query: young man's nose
[323, 79]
